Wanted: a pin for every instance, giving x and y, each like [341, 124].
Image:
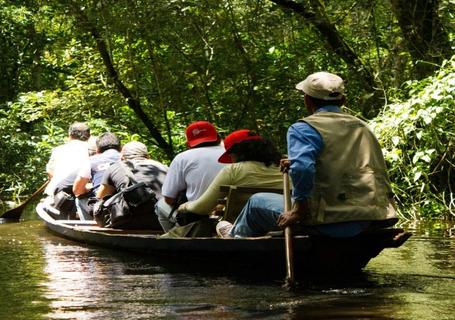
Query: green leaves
[418, 139]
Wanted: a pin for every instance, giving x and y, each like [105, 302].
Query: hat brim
[225, 158]
[300, 86]
[196, 142]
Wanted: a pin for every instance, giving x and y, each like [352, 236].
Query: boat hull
[311, 253]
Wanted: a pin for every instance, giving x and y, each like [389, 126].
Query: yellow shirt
[244, 174]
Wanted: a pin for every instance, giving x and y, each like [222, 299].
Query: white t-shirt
[65, 160]
[192, 170]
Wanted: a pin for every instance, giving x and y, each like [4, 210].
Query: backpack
[131, 208]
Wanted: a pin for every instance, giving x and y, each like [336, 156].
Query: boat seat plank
[79, 222]
[95, 228]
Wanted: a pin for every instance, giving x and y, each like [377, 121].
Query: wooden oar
[290, 279]
[15, 213]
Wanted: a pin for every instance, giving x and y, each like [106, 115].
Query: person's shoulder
[61, 146]
[110, 154]
[236, 166]
[75, 146]
[299, 125]
[76, 143]
[115, 166]
[187, 155]
[157, 164]
[206, 153]
[181, 155]
[95, 157]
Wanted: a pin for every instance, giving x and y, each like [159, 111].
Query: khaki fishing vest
[351, 182]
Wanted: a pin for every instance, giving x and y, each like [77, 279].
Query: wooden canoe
[312, 253]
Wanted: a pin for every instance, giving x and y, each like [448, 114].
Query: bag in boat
[186, 217]
[130, 208]
[64, 202]
[87, 203]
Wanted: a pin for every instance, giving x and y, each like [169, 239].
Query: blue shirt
[304, 146]
[99, 163]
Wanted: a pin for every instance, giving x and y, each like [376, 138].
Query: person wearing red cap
[338, 172]
[191, 171]
[252, 161]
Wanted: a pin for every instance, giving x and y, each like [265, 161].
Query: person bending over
[90, 173]
[135, 162]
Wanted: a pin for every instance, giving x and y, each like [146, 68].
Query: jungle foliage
[418, 139]
[145, 69]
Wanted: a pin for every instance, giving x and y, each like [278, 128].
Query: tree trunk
[251, 100]
[424, 35]
[313, 11]
[133, 102]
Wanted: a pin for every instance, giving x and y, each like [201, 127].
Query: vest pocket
[363, 187]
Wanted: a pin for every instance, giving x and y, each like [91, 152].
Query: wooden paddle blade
[15, 213]
[290, 278]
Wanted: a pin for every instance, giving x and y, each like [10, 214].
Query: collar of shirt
[328, 109]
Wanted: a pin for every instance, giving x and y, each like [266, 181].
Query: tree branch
[317, 16]
[133, 103]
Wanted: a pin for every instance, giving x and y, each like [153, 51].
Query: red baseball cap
[199, 132]
[234, 138]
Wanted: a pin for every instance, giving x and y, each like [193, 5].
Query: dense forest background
[145, 69]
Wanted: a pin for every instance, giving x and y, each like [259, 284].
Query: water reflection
[21, 265]
[83, 283]
[44, 276]
[415, 282]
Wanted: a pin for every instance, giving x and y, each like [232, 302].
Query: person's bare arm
[170, 201]
[104, 190]
[79, 186]
[297, 213]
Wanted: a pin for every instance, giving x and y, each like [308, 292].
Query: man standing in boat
[91, 172]
[191, 171]
[340, 182]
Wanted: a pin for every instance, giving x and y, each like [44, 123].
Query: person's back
[65, 159]
[149, 171]
[351, 182]
[252, 161]
[98, 165]
[192, 171]
[90, 173]
[340, 183]
[135, 168]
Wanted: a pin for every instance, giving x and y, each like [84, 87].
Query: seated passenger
[88, 178]
[66, 158]
[136, 163]
[191, 171]
[253, 163]
[62, 163]
[341, 187]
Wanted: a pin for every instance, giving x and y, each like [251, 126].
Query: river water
[46, 277]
